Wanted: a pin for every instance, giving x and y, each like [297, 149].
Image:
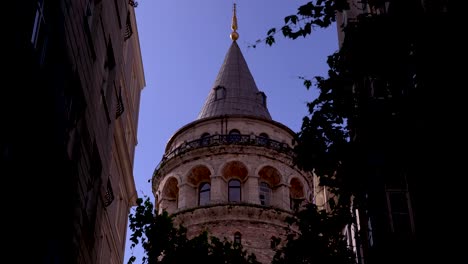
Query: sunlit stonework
[230, 172]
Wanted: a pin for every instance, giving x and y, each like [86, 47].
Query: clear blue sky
[183, 44]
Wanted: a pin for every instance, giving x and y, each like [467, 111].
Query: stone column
[186, 196]
[281, 197]
[250, 192]
[218, 190]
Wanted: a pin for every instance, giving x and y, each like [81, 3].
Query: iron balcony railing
[218, 140]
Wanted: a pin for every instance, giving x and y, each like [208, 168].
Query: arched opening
[235, 169]
[234, 136]
[198, 174]
[270, 180]
[296, 194]
[237, 238]
[170, 195]
[199, 186]
[205, 139]
[234, 173]
[274, 242]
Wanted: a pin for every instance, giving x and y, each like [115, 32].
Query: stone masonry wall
[257, 226]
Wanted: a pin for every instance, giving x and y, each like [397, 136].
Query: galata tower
[230, 171]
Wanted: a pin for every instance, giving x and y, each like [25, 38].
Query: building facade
[397, 130]
[70, 127]
[230, 172]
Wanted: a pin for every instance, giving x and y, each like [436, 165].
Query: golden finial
[234, 35]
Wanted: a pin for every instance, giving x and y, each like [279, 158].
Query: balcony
[223, 140]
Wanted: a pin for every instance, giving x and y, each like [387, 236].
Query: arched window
[265, 193]
[274, 242]
[234, 136]
[204, 193]
[234, 191]
[170, 195]
[237, 238]
[296, 194]
[205, 139]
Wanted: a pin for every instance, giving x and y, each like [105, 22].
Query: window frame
[220, 92]
[201, 191]
[267, 194]
[232, 188]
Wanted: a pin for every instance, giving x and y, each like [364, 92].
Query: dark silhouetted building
[403, 129]
[69, 126]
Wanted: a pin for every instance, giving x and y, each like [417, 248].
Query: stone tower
[230, 172]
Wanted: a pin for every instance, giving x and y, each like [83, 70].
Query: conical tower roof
[234, 92]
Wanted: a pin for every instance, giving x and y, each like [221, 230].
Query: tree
[389, 103]
[164, 243]
[319, 239]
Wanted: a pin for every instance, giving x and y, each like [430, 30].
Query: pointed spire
[234, 91]
[234, 35]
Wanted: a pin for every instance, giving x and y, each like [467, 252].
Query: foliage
[381, 104]
[165, 244]
[319, 240]
[317, 13]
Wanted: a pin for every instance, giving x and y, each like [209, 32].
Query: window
[274, 242]
[204, 193]
[234, 191]
[265, 193]
[262, 97]
[205, 139]
[379, 89]
[237, 238]
[263, 139]
[38, 36]
[128, 27]
[92, 15]
[108, 76]
[234, 136]
[295, 204]
[109, 195]
[400, 212]
[120, 108]
[220, 92]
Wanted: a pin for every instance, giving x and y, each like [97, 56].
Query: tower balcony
[237, 140]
